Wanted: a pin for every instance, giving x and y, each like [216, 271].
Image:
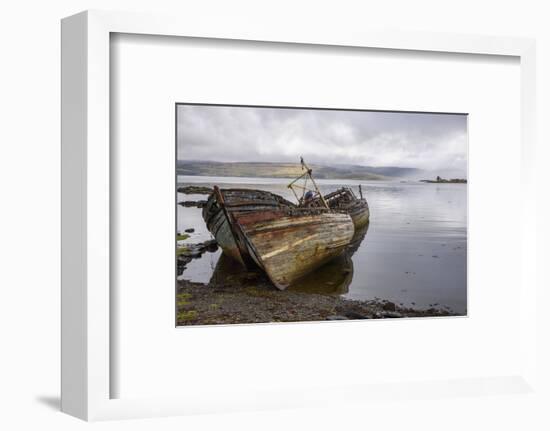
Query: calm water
[413, 253]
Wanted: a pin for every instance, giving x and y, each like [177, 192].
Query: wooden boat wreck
[344, 199]
[283, 239]
[341, 200]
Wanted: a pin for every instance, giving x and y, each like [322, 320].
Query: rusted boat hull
[287, 242]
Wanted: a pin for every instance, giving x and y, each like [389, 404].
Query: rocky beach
[251, 298]
[236, 295]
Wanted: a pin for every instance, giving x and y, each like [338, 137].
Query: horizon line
[298, 163]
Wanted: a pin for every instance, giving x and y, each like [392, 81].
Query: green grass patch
[187, 315]
[181, 250]
[182, 299]
[182, 236]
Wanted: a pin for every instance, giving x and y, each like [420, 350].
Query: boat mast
[307, 174]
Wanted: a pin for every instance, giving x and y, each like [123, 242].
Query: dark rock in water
[195, 190]
[182, 263]
[184, 259]
[192, 251]
[337, 318]
[190, 230]
[211, 245]
[445, 181]
[388, 306]
[197, 249]
[197, 204]
[212, 248]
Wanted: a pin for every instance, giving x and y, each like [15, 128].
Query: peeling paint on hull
[285, 241]
[290, 247]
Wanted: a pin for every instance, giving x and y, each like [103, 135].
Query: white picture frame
[86, 312]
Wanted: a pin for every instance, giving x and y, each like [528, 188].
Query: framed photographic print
[285, 232]
[237, 199]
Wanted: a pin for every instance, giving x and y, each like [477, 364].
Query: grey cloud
[222, 133]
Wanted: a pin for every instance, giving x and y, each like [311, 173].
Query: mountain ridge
[290, 170]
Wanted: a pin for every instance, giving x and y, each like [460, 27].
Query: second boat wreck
[283, 239]
[343, 200]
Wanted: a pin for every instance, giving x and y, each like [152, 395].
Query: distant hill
[290, 170]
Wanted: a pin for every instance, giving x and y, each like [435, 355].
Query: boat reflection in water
[333, 278]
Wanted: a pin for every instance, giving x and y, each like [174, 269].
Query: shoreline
[250, 298]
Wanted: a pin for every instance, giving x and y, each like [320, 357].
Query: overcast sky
[425, 141]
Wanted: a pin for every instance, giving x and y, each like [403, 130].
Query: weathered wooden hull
[221, 229]
[220, 221]
[360, 214]
[345, 200]
[289, 245]
[285, 241]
